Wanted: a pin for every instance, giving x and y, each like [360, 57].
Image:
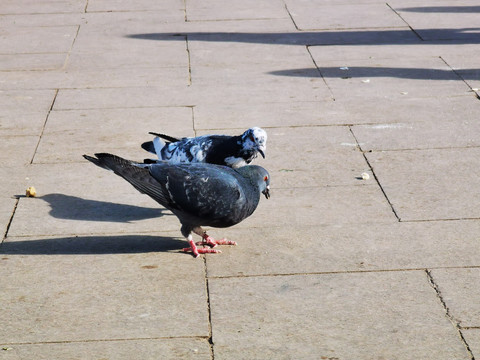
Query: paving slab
[21, 102]
[70, 134]
[379, 78]
[29, 62]
[125, 97]
[453, 124]
[13, 123]
[99, 78]
[429, 184]
[270, 114]
[286, 249]
[114, 296]
[322, 205]
[41, 7]
[458, 287]
[150, 349]
[211, 10]
[318, 16]
[24, 150]
[124, 5]
[403, 109]
[41, 39]
[391, 315]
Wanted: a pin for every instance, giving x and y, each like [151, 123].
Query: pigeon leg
[209, 241]
[196, 251]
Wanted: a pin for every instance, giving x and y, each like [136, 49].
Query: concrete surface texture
[332, 267]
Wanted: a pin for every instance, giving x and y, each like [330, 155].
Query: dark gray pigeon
[198, 194]
[233, 151]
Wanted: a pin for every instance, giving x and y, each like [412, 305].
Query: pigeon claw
[209, 241]
[196, 252]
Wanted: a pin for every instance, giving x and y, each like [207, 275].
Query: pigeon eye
[265, 178]
[252, 138]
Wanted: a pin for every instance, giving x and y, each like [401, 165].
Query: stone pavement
[331, 267]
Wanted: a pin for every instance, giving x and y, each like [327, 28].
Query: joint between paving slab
[375, 175]
[450, 317]
[104, 340]
[401, 18]
[319, 72]
[189, 62]
[209, 309]
[10, 220]
[67, 58]
[44, 125]
[460, 77]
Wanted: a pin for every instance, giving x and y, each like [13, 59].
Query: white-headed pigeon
[198, 194]
[233, 151]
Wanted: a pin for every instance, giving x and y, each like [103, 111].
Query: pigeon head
[255, 139]
[257, 176]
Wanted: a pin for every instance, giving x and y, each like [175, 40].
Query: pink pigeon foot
[209, 241]
[196, 251]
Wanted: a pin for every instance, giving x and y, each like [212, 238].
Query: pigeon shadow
[372, 72]
[75, 208]
[93, 245]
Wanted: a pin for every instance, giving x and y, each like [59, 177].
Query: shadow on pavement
[443, 9]
[327, 37]
[75, 208]
[372, 72]
[90, 245]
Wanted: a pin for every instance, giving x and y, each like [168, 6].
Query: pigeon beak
[261, 153]
[266, 192]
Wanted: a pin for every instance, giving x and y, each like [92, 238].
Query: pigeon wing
[214, 194]
[137, 175]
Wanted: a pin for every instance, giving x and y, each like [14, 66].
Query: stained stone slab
[453, 124]
[108, 98]
[27, 62]
[429, 184]
[70, 134]
[17, 103]
[213, 10]
[148, 349]
[342, 316]
[41, 7]
[339, 247]
[434, 20]
[46, 39]
[158, 57]
[318, 16]
[24, 149]
[458, 287]
[16, 124]
[93, 294]
[98, 78]
[143, 5]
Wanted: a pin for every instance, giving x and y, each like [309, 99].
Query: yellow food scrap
[31, 192]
